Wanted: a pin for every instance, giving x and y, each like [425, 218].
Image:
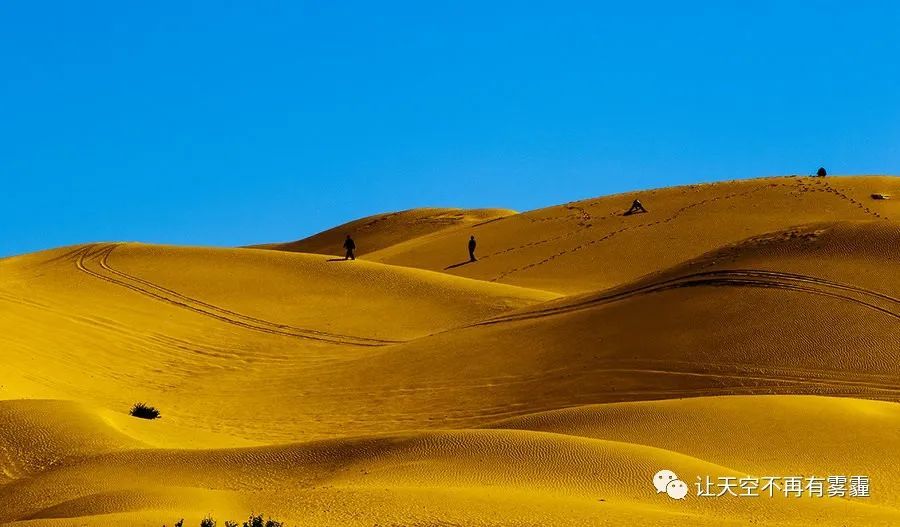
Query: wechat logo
[668, 482]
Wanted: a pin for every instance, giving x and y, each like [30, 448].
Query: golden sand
[739, 328]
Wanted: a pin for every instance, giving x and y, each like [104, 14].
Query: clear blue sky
[227, 123]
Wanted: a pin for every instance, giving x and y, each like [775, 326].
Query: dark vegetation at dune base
[252, 521]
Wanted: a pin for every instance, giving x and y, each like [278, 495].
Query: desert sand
[742, 328]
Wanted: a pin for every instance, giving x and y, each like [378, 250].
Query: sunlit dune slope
[753, 318]
[37, 435]
[384, 230]
[195, 330]
[376, 302]
[570, 475]
[589, 245]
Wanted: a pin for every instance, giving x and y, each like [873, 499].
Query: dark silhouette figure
[350, 245]
[821, 172]
[636, 206]
[472, 245]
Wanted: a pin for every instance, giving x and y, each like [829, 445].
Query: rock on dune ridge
[738, 328]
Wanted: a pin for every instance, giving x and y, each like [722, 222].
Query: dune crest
[385, 230]
[590, 244]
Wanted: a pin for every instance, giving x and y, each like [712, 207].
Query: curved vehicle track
[99, 255]
[868, 298]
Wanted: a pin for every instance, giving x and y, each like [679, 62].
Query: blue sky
[227, 123]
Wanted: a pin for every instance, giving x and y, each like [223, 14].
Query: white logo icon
[668, 482]
[662, 479]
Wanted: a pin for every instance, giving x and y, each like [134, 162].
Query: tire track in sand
[100, 256]
[868, 298]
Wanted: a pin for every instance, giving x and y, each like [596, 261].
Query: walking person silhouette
[350, 245]
[472, 245]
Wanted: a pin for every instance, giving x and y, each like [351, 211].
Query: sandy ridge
[100, 255]
[730, 277]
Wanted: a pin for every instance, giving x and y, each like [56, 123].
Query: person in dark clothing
[350, 246]
[636, 206]
[821, 172]
[472, 245]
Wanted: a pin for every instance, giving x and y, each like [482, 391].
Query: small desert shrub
[231, 524]
[144, 412]
[257, 521]
[208, 522]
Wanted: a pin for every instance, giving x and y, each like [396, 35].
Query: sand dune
[750, 322]
[113, 324]
[497, 474]
[747, 327]
[755, 434]
[589, 245]
[385, 230]
[38, 435]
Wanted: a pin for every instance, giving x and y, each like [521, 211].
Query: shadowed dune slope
[589, 245]
[384, 230]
